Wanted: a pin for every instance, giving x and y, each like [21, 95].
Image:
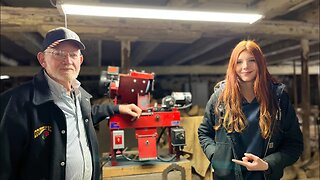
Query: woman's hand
[252, 162]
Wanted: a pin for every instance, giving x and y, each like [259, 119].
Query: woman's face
[246, 67]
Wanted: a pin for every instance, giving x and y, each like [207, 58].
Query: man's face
[62, 63]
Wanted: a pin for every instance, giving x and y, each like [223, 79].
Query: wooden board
[147, 170]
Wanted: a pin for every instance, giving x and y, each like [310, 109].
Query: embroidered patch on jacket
[43, 131]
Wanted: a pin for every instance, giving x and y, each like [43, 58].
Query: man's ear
[81, 59]
[40, 57]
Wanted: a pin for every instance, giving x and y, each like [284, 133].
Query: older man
[46, 129]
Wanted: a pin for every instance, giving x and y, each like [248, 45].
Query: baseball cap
[61, 34]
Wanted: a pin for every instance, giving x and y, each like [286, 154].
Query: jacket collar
[85, 102]
[84, 93]
[42, 91]
[278, 88]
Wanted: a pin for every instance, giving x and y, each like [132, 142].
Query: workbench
[155, 170]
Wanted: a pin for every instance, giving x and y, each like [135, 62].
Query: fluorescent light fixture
[4, 77]
[147, 13]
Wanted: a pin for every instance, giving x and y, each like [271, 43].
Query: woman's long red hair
[234, 119]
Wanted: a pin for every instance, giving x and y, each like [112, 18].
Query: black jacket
[283, 149]
[33, 132]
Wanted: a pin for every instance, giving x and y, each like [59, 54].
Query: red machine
[135, 87]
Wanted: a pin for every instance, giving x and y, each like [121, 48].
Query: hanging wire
[53, 3]
[65, 20]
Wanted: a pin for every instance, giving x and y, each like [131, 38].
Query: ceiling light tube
[164, 14]
[2, 77]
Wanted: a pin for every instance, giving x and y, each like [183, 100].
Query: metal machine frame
[135, 87]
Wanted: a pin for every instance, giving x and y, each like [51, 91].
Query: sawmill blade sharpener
[135, 87]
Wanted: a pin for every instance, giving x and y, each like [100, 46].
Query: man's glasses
[62, 55]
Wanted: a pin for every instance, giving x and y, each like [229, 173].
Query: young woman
[250, 129]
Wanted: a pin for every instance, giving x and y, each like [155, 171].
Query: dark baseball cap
[61, 34]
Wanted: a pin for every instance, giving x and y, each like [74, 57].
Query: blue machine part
[114, 125]
[175, 123]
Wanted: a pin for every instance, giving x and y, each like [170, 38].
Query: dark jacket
[283, 149]
[33, 132]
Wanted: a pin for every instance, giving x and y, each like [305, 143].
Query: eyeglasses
[62, 55]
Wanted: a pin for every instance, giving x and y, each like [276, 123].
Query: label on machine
[118, 139]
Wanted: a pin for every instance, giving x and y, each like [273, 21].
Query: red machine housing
[135, 87]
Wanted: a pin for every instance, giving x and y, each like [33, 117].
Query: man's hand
[252, 162]
[130, 109]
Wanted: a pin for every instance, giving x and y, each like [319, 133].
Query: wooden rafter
[12, 18]
[158, 70]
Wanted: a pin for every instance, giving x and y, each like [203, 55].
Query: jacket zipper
[278, 117]
[238, 172]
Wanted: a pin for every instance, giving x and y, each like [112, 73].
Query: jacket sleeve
[206, 132]
[291, 146]
[103, 111]
[14, 135]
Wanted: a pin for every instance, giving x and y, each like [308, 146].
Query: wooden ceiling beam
[7, 61]
[263, 6]
[25, 41]
[197, 49]
[217, 58]
[142, 34]
[271, 9]
[142, 51]
[310, 15]
[208, 5]
[312, 61]
[27, 71]
[277, 29]
[12, 18]
[290, 53]
[180, 3]
[28, 41]
[289, 48]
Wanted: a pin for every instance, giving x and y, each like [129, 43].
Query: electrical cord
[184, 106]
[104, 160]
[127, 158]
[167, 159]
[53, 3]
